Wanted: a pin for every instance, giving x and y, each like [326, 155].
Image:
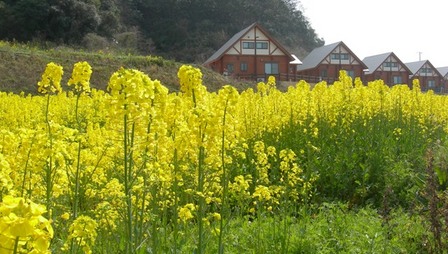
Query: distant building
[324, 63]
[429, 77]
[444, 72]
[254, 55]
[387, 67]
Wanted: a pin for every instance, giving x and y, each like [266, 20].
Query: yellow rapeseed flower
[262, 193]
[216, 216]
[51, 79]
[65, 216]
[80, 79]
[185, 213]
[190, 79]
[21, 220]
[83, 233]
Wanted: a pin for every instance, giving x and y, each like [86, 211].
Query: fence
[284, 77]
[313, 80]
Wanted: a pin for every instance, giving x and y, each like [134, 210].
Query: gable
[423, 69]
[334, 54]
[255, 36]
[443, 71]
[253, 40]
[341, 55]
[426, 70]
[392, 63]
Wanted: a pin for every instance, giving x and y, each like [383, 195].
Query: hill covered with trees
[181, 30]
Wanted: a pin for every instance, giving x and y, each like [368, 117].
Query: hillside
[186, 31]
[21, 68]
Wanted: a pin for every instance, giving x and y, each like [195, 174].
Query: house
[429, 77]
[444, 72]
[387, 67]
[324, 63]
[253, 54]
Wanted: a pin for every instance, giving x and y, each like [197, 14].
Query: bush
[94, 42]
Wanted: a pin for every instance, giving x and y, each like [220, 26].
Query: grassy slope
[21, 68]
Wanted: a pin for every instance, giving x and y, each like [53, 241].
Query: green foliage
[361, 165]
[332, 228]
[57, 21]
[23, 19]
[441, 164]
[335, 229]
[70, 20]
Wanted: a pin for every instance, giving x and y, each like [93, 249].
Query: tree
[24, 19]
[109, 18]
[70, 20]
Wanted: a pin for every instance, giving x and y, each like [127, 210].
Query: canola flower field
[140, 169]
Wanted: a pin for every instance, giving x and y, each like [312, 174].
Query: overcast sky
[410, 29]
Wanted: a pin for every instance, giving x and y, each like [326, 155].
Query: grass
[331, 228]
[21, 67]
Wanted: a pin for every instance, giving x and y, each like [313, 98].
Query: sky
[413, 30]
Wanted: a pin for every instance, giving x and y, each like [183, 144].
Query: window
[431, 83]
[426, 70]
[350, 73]
[243, 66]
[248, 45]
[262, 45]
[251, 45]
[324, 73]
[271, 68]
[397, 80]
[229, 68]
[339, 56]
[390, 65]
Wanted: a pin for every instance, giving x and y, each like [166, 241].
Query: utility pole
[255, 52]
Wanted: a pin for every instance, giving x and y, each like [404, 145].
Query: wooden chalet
[387, 67]
[429, 77]
[444, 72]
[324, 63]
[253, 54]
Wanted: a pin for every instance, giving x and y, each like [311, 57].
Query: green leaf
[441, 175]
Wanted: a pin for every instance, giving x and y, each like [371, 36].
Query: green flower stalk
[50, 84]
[133, 95]
[228, 99]
[80, 83]
[190, 80]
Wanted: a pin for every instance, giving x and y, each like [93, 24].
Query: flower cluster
[51, 79]
[80, 79]
[133, 92]
[186, 212]
[83, 233]
[23, 229]
[6, 183]
[190, 79]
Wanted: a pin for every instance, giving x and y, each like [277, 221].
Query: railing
[437, 90]
[284, 77]
[313, 80]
